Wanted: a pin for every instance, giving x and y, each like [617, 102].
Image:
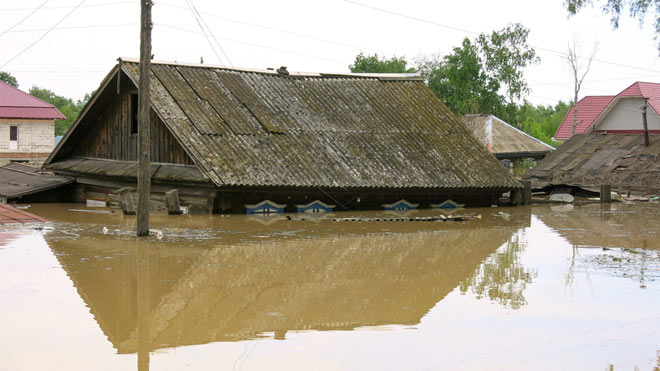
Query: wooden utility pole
[646, 126]
[144, 110]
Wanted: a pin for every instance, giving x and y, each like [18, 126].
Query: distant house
[227, 137]
[27, 126]
[621, 113]
[503, 140]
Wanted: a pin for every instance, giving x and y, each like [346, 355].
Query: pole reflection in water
[143, 254]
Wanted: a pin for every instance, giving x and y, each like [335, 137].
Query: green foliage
[636, 8]
[502, 278]
[460, 80]
[469, 79]
[506, 55]
[67, 106]
[375, 64]
[542, 122]
[8, 78]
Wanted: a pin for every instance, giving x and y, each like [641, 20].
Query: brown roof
[506, 139]
[263, 128]
[589, 160]
[18, 180]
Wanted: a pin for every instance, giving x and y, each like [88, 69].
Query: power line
[70, 6]
[76, 27]
[203, 31]
[199, 18]
[24, 18]
[281, 30]
[44, 35]
[254, 45]
[475, 33]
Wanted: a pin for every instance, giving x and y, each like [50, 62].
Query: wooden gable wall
[110, 136]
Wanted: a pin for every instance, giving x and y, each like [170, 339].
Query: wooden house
[226, 137]
[27, 127]
[503, 140]
[588, 161]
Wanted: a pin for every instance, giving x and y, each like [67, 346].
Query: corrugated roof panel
[318, 131]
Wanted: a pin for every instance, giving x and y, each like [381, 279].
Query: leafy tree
[636, 8]
[8, 78]
[459, 79]
[542, 122]
[68, 107]
[375, 64]
[506, 55]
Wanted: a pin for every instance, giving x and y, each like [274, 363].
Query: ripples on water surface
[522, 288]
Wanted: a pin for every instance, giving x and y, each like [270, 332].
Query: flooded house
[229, 137]
[503, 140]
[611, 148]
[27, 126]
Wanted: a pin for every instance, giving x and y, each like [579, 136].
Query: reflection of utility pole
[144, 111]
[143, 305]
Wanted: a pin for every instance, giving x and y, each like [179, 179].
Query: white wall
[627, 115]
[34, 136]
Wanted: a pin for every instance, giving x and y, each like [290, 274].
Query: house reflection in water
[159, 294]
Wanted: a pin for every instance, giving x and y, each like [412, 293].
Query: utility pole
[144, 110]
[646, 127]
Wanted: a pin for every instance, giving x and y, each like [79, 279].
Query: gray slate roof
[262, 128]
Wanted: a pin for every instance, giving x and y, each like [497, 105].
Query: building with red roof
[27, 126]
[618, 114]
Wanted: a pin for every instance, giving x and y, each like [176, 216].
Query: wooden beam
[172, 202]
[144, 167]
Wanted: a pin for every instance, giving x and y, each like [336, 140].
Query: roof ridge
[273, 71]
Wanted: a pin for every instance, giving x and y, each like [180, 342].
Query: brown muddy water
[528, 288]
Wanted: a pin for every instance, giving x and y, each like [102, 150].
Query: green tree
[484, 75]
[636, 8]
[68, 107]
[8, 78]
[506, 55]
[375, 64]
[542, 122]
[459, 79]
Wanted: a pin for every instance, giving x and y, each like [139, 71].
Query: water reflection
[260, 280]
[618, 238]
[502, 277]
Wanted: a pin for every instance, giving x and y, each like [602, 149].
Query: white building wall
[627, 115]
[36, 139]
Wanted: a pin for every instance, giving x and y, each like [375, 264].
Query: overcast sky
[318, 36]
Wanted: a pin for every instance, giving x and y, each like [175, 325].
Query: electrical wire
[70, 6]
[44, 35]
[203, 30]
[269, 28]
[253, 44]
[563, 54]
[24, 18]
[199, 16]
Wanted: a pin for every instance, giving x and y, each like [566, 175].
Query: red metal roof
[16, 104]
[590, 107]
[648, 90]
[588, 110]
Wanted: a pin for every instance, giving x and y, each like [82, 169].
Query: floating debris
[439, 218]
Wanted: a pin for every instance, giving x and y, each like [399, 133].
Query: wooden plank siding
[110, 136]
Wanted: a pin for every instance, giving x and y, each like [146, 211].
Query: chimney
[282, 70]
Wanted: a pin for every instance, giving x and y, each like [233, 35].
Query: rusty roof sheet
[590, 160]
[261, 128]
